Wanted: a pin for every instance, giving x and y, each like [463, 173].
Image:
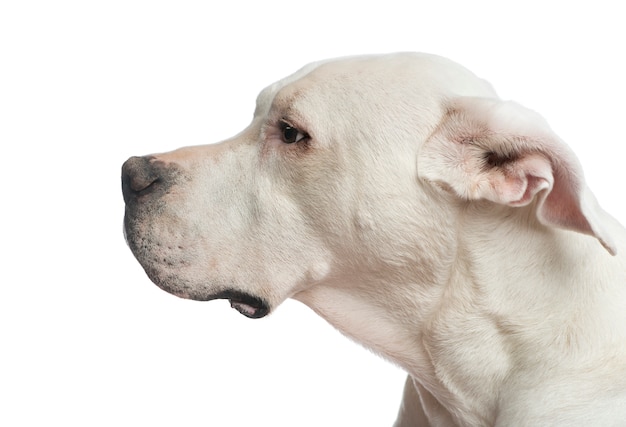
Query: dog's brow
[264, 99]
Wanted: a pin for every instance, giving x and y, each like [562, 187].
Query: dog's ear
[502, 152]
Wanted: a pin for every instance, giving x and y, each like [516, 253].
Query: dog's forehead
[321, 70]
[267, 95]
[429, 72]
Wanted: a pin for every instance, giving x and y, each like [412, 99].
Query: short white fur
[447, 230]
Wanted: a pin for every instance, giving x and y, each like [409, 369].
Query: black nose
[139, 176]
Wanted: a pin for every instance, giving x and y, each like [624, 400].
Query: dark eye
[291, 134]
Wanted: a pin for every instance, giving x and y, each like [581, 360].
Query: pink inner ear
[517, 182]
[562, 203]
[561, 207]
[500, 151]
[537, 171]
[534, 185]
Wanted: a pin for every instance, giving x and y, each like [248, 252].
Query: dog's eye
[291, 134]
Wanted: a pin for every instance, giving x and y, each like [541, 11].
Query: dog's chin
[249, 305]
[246, 304]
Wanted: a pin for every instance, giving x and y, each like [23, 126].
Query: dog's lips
[248, 310]
[248, 305]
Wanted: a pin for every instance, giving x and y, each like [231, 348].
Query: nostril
[138, 174]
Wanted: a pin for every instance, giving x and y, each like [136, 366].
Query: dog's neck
[492, 311]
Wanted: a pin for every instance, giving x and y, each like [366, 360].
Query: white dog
[403, 201]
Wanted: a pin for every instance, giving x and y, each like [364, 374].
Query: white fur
[447, 230]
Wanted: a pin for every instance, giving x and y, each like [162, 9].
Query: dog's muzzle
[145, 182]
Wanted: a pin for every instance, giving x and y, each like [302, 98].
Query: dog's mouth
[248, 305]
[248, 310]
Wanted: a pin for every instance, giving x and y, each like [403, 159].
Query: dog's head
[344, 168]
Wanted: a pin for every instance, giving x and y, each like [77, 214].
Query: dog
[446, 229]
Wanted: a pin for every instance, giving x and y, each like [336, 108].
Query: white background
[86, 339]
